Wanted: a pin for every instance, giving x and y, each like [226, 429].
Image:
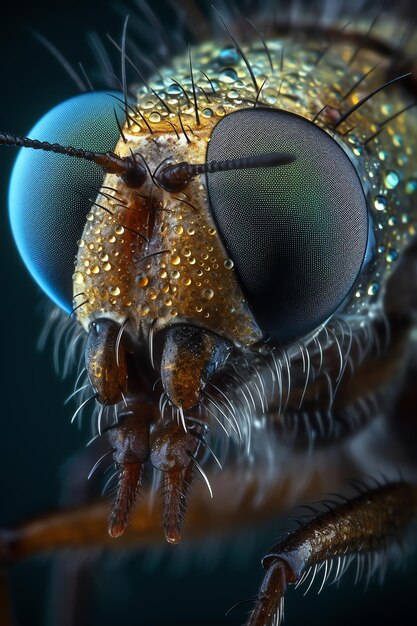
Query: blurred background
[36, 436]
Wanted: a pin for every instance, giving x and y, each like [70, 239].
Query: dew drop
[411, 186]
[391, 179]
[380, 203]
[373, 289]
[78, 278]
[228, 264]
[228, 75]
[228, 56]
[143, 281]
[208, 293]
[174, 89]
[392, 255]
[176, 260]
[115, 291]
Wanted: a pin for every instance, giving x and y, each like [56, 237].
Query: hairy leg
[366, 525]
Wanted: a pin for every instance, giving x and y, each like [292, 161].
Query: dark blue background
[35, 434]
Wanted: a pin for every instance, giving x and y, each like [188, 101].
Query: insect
[211, 368]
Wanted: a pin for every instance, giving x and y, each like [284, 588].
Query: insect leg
[366, 525]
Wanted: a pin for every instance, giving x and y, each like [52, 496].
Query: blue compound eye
[298, 234]
[48, 195]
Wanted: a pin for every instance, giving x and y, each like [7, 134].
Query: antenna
[132, 172]
[175, 178]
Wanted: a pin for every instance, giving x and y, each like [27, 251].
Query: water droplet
[393, 220]
[95, 269]
[373, 289]
[211, 231]
[143, 281]
[174, 89]
[207, 113]
[178, 229]
[175, 274]
[90, 217]
[228, 75]
[154, 117]
[228, 264]
[391, 179]
[175, 260]
[191, 231]
[198, 309]
[81, 243]
[104, 257]
[208, 294]
[162, 273]
[228, 56]
[152, 294]
[382, 155]
[186, 281]
[233, 94]
[119, 230]
[106, 267]
[115, 291]
[380, 203]
[111, 238]
[392, 255]
[78, 278]
[397, 140]
[411, 186]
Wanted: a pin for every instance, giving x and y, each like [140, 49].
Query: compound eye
[49, 193]
[297, 233]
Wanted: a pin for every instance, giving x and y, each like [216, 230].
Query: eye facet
[297, 234]
[49, 193]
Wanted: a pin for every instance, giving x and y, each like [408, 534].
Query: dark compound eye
[49, 193]
[297, 234]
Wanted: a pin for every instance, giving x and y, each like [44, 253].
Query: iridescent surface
[49, 194]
